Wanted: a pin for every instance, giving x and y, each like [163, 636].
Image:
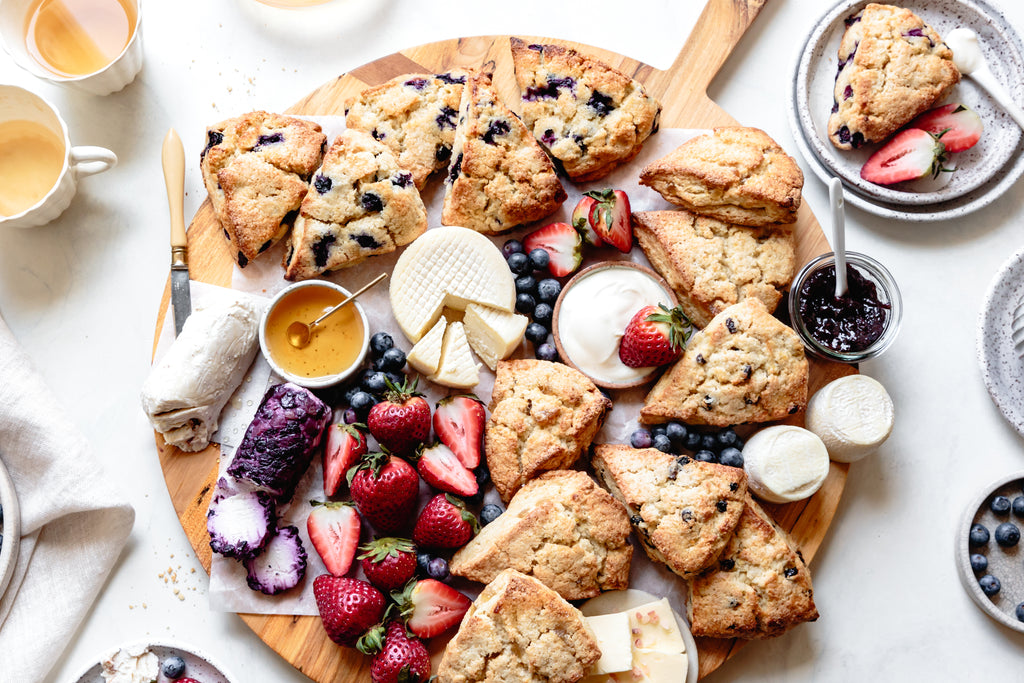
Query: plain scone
[543, 415]
[519, 631]
[712, 265]
[760, 588]
[684, 510]
[745, 366]
[560, 528]
[738, 175]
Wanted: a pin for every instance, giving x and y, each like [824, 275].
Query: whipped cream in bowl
[143, 662]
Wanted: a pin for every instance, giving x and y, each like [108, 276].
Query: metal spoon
[835, 199]
[299, 333]
[969, 60]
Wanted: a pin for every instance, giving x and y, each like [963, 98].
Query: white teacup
[118, 73]
[29, 110]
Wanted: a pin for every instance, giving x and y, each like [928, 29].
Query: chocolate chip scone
[745, 366]
[256, 168]
[684, 511]
[892, 67]
[499, 177]
[519, 631]
[543, 415]
[590, 117]
[735, 174]
[414, 116]
[712, 265]
[759, 588]
[361, 203]
[560, 528]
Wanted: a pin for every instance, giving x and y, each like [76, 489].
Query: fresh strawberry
[611, 219]
[444, 523]
[459, 424]
[334, 530]
[431, 607]
[959, 127]
[385, 489]
[654, 336]
[400, 422]
[398, 657]
[388, 563]
[348, 607]
[563, 245]
[912, 153]
[441, 469]
[581, 221]
[345, 445]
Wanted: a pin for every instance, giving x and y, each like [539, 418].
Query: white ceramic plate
[1001, 368]
[197, 665]
[11, 528]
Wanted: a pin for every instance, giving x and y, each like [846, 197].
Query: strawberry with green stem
[398, 656]
[656, 335]
[388, 562]
[911, 154]
[384, 488]
[611, 219]
[401, 421]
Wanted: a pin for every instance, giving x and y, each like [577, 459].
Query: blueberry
[489, 513]
[989, 585]
[371, 203]
[536, 333]
[174, 667]
[347, 396]
[1018, 506]
[396, 378]
[393, 360]
[376, 384]
[518, 263]
[378, 364]
[379, 343]
[676, 432]
[525, 303]
[526, 284]
[704, 456]
[483, 476]
[511, 247]
[548, 290]
[1000, 505]
[1007, 535]
[709, 443]
[693, 440]
[641, 438]
[979, 562]
[978, 536]
[350, 416]
[662, 443]
[322, 183]
[543, 314]
[362, 402]
[659, 430]
[733, 457]
[547, 352]
[539, 259]
[727, 437]
[437, 569]
[423, 562]
[1020, 612]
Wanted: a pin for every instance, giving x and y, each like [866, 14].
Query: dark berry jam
[846, 324]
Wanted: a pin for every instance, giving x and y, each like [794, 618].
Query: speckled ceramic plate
[1003, 563]
[11, 528]
[197, 665]
[980, 170]
[1002, 368]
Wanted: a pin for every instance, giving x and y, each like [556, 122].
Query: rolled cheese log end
[785, 464]
[852, 415]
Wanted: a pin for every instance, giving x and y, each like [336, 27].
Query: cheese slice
[852, 415]
[653, 627]
[457, 369]
[656, 667]
[785, 463]
[448, 266]
[612, 633]
[425, 355]
[493, 334]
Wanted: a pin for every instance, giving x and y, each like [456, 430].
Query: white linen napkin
[73, 523]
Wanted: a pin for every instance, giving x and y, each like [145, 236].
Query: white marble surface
[82, 294]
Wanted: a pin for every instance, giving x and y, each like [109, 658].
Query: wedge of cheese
[425, 355]
[639, 644]
[493, 334]
[457, 367]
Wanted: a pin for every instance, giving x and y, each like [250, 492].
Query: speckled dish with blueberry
[176, 663]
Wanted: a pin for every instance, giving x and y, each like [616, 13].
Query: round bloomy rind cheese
[785, 464]
[852, 415]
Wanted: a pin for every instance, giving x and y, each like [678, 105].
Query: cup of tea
[91, 45]
[39, 168]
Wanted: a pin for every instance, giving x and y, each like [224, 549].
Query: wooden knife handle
[173, 158]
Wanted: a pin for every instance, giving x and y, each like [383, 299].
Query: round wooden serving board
[682, 90]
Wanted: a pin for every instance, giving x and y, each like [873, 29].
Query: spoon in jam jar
[299, 333]
[835, 200]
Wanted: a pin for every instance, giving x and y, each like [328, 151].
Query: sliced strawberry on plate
[440, 468]
[388, 562]
[563, 245]
[610, 217]
[655, 336]
[345, 445]
[431, 607]
[958, 126]
[581, 221]
[334, 530]
[912, 153]
[459, 424]
[348, 607]
[444, 523]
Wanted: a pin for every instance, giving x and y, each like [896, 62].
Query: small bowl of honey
[338, 345]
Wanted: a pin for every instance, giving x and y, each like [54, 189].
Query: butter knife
[173, 157]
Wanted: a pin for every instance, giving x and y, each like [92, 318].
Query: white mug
[14, 15]
[18, 104]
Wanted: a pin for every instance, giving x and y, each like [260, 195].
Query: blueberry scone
[562, 529]
[892, 67]
[414, 116]
[735, 174]
[711, 264]
[759, 588]
[745, 366]
[256, 168]
[360, 204]
[519, 631]
[590, 117]
[684, 511]
[543, 416]
[499, 176]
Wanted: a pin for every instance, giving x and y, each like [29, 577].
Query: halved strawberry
[334, 530]
[913, 153]
[959, 127]
[431, 607]
[563, 245]
[581, 221]
[440, 468]
[654, 336]
[345, 445]
[611, 218]
[459, 424]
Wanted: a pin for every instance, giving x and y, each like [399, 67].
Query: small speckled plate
[197, 665]
[11, 528]
[1003, 563]
[1002, 368]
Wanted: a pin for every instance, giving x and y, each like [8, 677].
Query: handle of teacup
[92, 160]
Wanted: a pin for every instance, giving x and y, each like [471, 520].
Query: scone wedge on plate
[759, 588]
[683, 510]
[543, 416]
[745, 366]
[711, 264]
[562, 529]
[590, 117]
[519, 631]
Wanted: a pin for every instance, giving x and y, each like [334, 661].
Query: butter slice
[658, 667]
[425, 355]
[653, 627]
[457, 369]
[492, 333]
[612, 633]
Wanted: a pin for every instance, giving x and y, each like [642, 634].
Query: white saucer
[197, 665]
[11, 528]
[1001, 368]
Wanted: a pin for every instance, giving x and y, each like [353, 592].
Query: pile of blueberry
[723, 446]
[535, 294]
[387, 365]
[1007, 535]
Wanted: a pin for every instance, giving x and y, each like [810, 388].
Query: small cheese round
[785, 463]
[852, 415]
